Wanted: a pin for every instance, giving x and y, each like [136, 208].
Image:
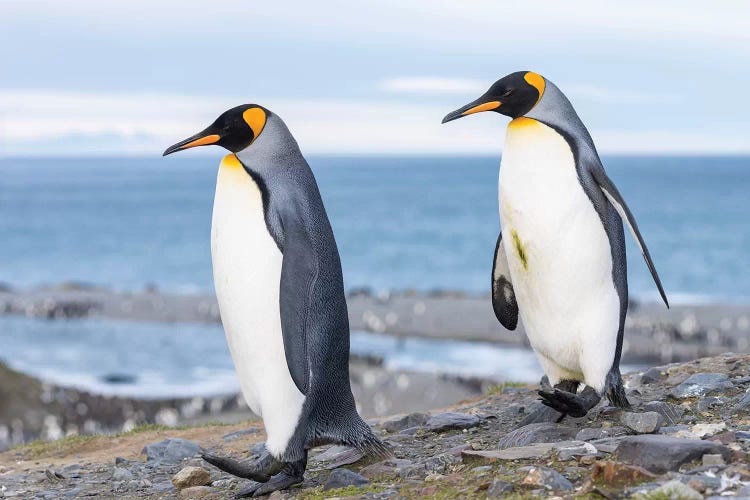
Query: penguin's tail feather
[616, 389]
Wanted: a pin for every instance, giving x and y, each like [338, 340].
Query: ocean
[400, 223]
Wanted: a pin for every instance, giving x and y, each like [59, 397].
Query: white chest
[247, 272]
[558, 251]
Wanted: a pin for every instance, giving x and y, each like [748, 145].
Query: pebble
[341, 478]
[121, 474]
[672, 413]
[653, 375]
[591, 433]
[743, 405]
[658, 453]
[450, 421]
[618, 474]
[702, 384]
[642, 423]
[191, 476]
[403, 422]
[713, 459]
[196, 492]
[499, 488]
[171, 451]
[547, 478]
[537, 433]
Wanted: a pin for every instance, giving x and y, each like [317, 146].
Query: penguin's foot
[259, 470]
[291, 473]
[570, 403]
[545, 414]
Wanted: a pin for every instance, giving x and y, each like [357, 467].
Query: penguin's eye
[506, 93]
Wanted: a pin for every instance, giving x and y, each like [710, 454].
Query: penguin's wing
[503, 296]
[299, 272]
[615, 198]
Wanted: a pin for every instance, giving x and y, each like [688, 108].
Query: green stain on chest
[520, 250]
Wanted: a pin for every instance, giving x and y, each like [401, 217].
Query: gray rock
[742, 435]
[702, 384]
[673, 429]
[659, 454]
[398, 424]
[591, 433]
[341, 478]
[672, 413]
[451, 420]
[537, 433]
[258, 448]
[653, 375]
[499, 488]
[743, 405]
[744, 491]
[171, 451]
[710, 403]
[121, 474]
[439, 464]
[642, 423]
[710, 459]
[575, 449]
[547, 478]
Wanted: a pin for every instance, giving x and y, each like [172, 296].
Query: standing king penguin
[562, 263]
[279, 285]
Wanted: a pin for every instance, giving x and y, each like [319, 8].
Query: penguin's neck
[274, 148]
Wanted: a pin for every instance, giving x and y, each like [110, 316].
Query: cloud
[74, 123]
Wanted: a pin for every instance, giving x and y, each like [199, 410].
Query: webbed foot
[570, 403]
[291, 473]
[260, 470]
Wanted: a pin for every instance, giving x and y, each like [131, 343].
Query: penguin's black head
[513, 95]
[234, 130]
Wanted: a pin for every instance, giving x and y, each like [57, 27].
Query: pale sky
[375, 77]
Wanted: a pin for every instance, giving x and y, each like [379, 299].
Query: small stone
[121, 474]
[258, 448]
[617, 474]
[591, 433]
[196, 492]
[499, 488]
[451, 420]
[702, 384]
[659, 454]
[700, 431]
[653, 375]
[642, 423]
[537, 433]
[743, 405]
[481, 469]
[341, 478]
[672, 413]
[398, 424]
[171, 451]
[548, 479]
[677, 490]
[433, 477]
[713, 459]
[191, 476]
[710, 403]
[580, 449]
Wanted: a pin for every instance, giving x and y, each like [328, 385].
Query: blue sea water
[422, 223]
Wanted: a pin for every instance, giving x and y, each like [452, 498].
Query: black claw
[248, 491]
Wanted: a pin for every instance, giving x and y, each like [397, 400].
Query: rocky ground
[653, 333]
[687, 436]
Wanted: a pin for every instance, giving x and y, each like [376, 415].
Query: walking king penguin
[278, 280]
[562, 262]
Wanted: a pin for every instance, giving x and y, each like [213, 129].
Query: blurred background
[105, 274]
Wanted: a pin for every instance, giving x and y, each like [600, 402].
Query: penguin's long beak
[204, 138]
[484, 103]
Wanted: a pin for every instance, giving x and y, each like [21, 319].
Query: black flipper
[615, 198]
[299, 270]
[503, 296]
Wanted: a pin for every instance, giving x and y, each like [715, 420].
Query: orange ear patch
[256, 119]
[537, 81]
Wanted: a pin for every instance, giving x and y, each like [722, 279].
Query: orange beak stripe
[487, 106]
[203, 141]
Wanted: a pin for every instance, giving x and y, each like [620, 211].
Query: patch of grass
[349, 491]
[496, 389]
[39, 447]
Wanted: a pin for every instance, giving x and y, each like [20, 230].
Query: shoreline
[653, 334]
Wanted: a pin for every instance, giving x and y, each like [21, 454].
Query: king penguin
[279, 285]
[561, 264]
